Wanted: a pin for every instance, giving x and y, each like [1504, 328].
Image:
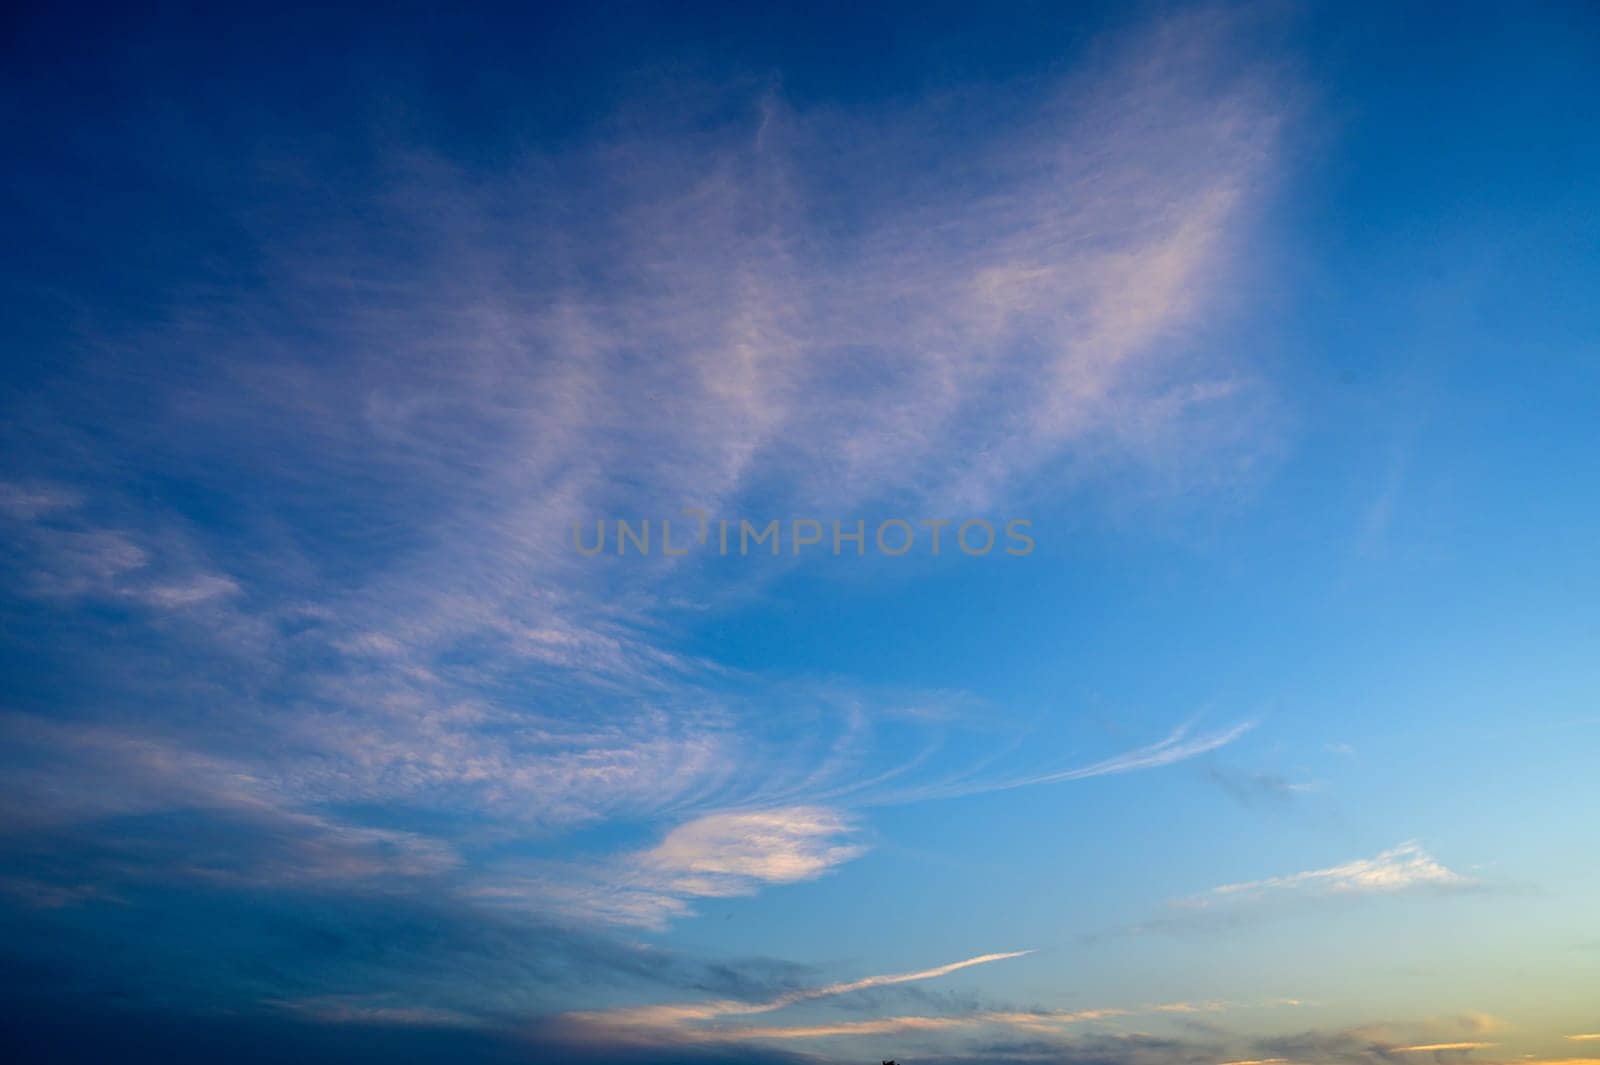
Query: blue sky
[325, 330]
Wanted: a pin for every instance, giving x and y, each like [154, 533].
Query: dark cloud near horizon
[268, 959]
[69, 1033]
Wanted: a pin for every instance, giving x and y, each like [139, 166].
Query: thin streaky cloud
[669, 1016]
[642, 319]
[1031, 1022]
[1407, 867]
[1177, 746]
[719, 855]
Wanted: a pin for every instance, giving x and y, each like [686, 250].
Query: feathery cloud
[1400, 869]
[400, 417]
[675, 1016]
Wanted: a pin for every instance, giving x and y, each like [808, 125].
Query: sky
[1241, 357]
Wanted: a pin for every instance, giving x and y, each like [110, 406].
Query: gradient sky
[320, 741]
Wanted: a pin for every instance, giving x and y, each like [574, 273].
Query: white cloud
[700, 1022]
[728, 853]
[716, 855]
[1177, 746]
[1401, 869]
[685, 1020]
[692, 309]
[198, 589]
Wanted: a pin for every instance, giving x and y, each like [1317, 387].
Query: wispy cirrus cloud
[1039, 1022]
[1181, 744]
[1408, 869]
[717, 855]
[342, 497]
[1178, 746]
[60, 552]
[706, 1023]
[1447, 1039]
[720, 854]
[685, 1021]
[1401, 869]
[153, 811]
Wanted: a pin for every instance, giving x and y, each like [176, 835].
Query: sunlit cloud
[397, 677]
[720, 854]
[1036, 1022]
[715, 856]
[698, 1023]
[676, 1016]
[1405, 868]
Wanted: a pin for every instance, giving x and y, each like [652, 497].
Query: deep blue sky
[322, 329]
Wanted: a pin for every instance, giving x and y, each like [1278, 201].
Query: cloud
[1478, 1022]
[356, 1010]
[1035, 1022]
[151, 811]
[674, 1016]
[714, 856]
[62, 551]
[1178, 746]
[722, 854]
[1381, 1044]
[1401, 869]
[1255, 789]
[197, 589]
[307, 575]
[672, 1019]
[1404, 870]
[1043, 1032]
